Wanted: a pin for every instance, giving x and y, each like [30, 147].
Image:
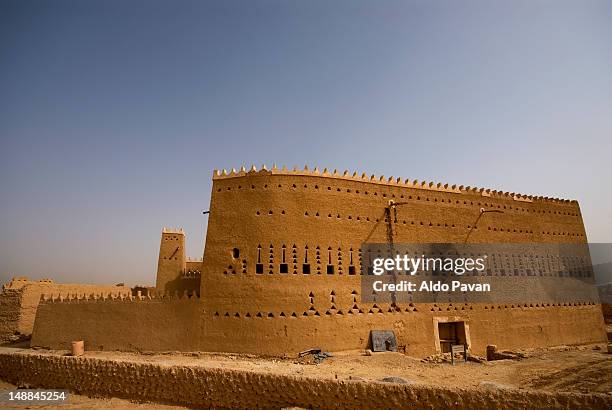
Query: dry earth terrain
[582, 369]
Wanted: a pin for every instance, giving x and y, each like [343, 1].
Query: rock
[494, 354]
[394, 379]
[485, 384]
[476, 359]
[491, 350]
[356, 378]
[319, 357]
[313, 351]
[368, 352]
[438, 358]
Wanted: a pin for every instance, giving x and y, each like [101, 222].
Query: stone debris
[18, 337]
[477, 359]
[513, 355]
[315, 356]
[442, 358]
[494, 354]
[367, 352]
[319, 357]
[394, 379]
[309, 351]
[485, 384]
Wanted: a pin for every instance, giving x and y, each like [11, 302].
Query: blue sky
[113, 114]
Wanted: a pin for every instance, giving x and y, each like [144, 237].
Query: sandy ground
[585, 369]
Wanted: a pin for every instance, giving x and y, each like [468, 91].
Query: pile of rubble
[446, 358]
[494, 354]
[315, 356]
[439, 358]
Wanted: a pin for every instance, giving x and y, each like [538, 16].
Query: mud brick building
[281, 271]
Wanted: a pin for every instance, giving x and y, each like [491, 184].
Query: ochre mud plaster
[20, 297]
[251, 291]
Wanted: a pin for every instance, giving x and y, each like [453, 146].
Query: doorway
[451, 333]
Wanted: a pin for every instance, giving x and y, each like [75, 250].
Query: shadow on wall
[181, 285]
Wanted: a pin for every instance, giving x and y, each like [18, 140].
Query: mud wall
[282, 243]
[415, 328]
[201, 387]
[20, 297]
[266, 224]
[119, 324]
[181, 324]
[10, 309]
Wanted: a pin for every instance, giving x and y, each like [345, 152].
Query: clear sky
[113, 114]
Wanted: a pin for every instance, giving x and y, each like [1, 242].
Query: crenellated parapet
[173, 230]
[153, 296]
[382, 180]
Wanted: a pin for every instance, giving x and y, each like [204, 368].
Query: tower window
[306, 269]
[330, 269]
[284, 268]
[259, 268]
[236, 253]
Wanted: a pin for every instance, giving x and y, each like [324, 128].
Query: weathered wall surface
[298, 237]
[180, 324]
[164, 324]
[200, 387]
[508, 327]
[10, 308]
[20, 297]
[281, 270]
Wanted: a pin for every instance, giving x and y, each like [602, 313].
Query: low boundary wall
[175, 323]
[202, 387]
[20, 297]
[135, 324]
